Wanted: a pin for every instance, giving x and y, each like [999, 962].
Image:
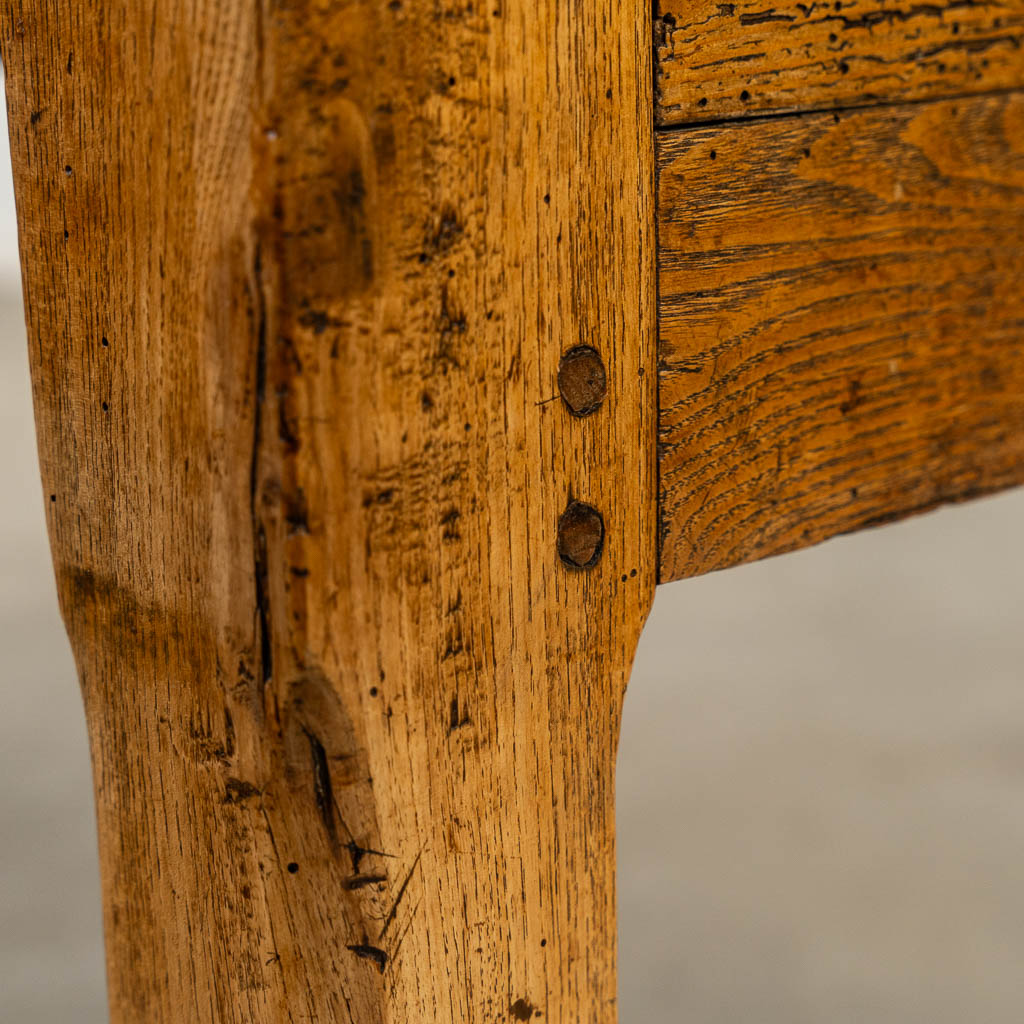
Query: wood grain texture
[726, 60]
[298, 281]
[841, 320]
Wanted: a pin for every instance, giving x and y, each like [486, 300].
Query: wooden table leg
[299, 278]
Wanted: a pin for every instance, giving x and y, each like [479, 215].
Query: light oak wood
[841, 305]
[298, 282]
[726, 60]
[342, 329]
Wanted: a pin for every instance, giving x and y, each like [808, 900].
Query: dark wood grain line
[841, 334]
[731, 60]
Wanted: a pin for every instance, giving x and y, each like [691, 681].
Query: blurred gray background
[821, 777]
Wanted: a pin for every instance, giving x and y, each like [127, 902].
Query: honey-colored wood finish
[298, 282]
[342, 329]
[841, 323]
[726, 60]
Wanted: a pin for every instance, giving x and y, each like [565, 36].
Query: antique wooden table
[387, 354]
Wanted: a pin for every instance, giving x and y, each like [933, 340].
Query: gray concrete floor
[51, 963]
[821, 776]
[821, 785]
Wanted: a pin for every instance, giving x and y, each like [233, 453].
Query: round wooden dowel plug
[582, 380]
[580, 535]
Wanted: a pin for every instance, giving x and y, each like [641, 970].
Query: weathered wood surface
[841, 334]
[298, 282]
[726, 60]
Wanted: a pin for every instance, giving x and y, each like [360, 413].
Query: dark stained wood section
[725, 60]
[842, 323]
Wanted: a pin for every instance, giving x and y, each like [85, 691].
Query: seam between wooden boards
[782, 115]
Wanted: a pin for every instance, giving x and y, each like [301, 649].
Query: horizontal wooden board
[842, 323]
[723, 60]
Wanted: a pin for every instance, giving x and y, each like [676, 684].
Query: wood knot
[582, 380]
[580, 536]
